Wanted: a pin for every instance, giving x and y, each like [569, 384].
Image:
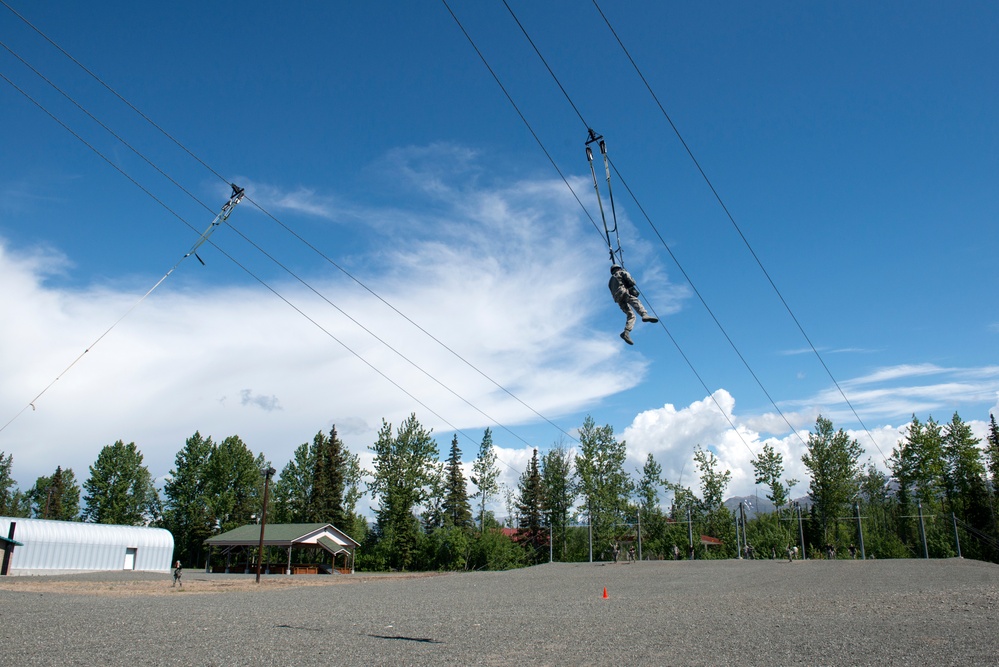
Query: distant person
[676, 552]
[631, 553]
[853, 552]
[625, 292]
[616, 549]
[790, 554]
[178, 571]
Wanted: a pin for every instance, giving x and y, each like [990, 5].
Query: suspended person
[625, 293]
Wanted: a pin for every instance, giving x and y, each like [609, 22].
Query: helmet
[615, 268]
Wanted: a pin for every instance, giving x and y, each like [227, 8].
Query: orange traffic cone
[605, 592]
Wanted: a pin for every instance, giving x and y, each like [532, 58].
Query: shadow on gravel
[297, 627]
[422, 640]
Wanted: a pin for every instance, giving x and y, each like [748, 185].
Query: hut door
[129, 558]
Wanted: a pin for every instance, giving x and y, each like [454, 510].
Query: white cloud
[501, 276]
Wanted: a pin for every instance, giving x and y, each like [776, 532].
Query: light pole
[263, 520]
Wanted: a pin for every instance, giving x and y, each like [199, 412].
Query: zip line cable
[272, 217]
[616, 255]
[237, 196]
[731, 219]
[485, 62]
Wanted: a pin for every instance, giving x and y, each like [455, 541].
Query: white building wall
[68, 546]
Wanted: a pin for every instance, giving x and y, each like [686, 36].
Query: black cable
[275, 219]
[663, 324]
[731, 218]
[256, 246]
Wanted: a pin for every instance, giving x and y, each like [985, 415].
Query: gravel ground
[886, 612]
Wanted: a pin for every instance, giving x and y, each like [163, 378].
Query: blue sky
[855, 145]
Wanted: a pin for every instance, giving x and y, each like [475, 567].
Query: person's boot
[626, 338]
[650, 319]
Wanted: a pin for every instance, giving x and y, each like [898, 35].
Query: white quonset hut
[59, 547]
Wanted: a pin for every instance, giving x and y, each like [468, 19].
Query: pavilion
[237, 546]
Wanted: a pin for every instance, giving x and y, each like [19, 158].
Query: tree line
[569, 504]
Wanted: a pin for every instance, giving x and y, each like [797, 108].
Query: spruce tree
[992, 452]
[967, 483]
[56, 496]
[530, 511]
[328, 480]
[456, 508]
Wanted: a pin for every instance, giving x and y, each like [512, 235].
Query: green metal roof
[280, 533]
[331, 546]
[7, 540]
[276, 534]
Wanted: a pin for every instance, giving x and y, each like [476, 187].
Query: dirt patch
[194, 584]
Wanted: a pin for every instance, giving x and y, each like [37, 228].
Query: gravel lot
[887, 612]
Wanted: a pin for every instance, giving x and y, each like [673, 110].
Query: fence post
[957, 538]
[801, 532]
[860, 529]
[738, 543]
[922, 529]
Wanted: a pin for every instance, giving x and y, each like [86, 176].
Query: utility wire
[731, 218]
[165, 276]
[204, 238]
[709, 393]
[276, 220]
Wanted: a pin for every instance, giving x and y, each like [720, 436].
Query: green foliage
[447, 547]
[603, 482]
[485, 474]
[186, 509]
[992, 451]
[293, 489]
[531, 532]
[492, 550]
[716, 519]
[918, 463]
[336, 475]
[120, 489]
[832, 458]
[769, 468]
[559, 494]
[456, 508]
[7, 486]
[648, 486]
[234, 484]
[56, 496]
[405, 470]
